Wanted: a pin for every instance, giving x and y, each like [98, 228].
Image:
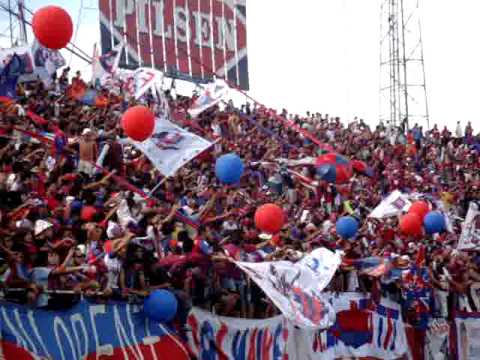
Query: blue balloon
[434, 222]
[328, 172]
[347, 227]
[160, 306]
[229, 168]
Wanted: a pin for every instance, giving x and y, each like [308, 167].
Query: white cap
[82, 248]
[264, 236]
[86, 131]
[41, 226]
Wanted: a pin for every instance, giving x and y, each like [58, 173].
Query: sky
[323, 55]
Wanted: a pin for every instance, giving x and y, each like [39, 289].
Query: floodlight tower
[403, 91]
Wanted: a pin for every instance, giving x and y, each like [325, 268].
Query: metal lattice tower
[13, 28]
[403, 92]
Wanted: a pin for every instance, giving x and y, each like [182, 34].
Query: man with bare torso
[88, 152]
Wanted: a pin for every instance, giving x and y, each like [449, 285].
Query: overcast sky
[323, 55]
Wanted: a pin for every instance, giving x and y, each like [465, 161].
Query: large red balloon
[420, 208]
[269, 218]
[411, 224]
[52, 27]
[138, 123]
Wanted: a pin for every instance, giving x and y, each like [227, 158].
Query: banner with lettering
[468, 336]
[85, 331]
[361, 330]
[220, 338]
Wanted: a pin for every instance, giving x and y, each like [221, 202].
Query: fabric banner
[392, 205]
[437, 344]
[104, 66]
[221, 338]
[37, 61]
[295, 288]
[470, 237]
[85, 331]
[210, 96]
[132, 83]
[171, 147]
[360, 331]
[468, 336]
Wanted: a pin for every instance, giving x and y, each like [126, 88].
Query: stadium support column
[403, 92]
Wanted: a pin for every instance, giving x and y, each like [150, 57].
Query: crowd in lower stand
[70, 228]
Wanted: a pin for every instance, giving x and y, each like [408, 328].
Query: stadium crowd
[69, 228]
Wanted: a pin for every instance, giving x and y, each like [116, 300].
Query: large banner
[86, 331]
[171, 147]
[37, 61]
[360, 331]
[295, 288]
[470, 237]
[468, 336]
[221, 338]
[190, 39]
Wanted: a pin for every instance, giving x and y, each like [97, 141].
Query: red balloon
[87, 213]
[420, 208]
[138, 123]
[269, 218]
[52, 27]
[411, 224]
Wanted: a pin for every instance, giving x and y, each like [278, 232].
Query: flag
[470, 236]
[170, 147]
[106, 65]
[9, 76]
[393, 205]
[145, 79]
[131, 83]
[295, 288]
[46, 62]
[211, 96]
[163, 108]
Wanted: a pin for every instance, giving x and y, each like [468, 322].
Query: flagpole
[157, 186]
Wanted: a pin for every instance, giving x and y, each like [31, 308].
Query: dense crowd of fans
[68, 227]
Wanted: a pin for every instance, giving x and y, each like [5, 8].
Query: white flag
[295, 288]
[146, 78]
[38, 61]
[104, 67]
[211, 95]
[392, 205]
[170, 147]
[470, 237]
